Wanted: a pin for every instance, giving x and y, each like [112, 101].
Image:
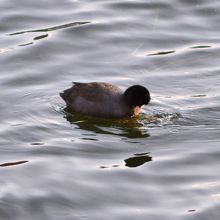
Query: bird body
[98, 99]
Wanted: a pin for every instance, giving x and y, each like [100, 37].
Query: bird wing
[95, 92]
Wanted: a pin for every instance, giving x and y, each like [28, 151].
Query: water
[161, 165]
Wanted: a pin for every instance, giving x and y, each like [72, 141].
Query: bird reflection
[128, 127]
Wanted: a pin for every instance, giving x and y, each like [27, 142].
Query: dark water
[60, 166]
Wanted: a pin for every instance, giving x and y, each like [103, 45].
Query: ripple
[162, 53]
[200, 47]
[130, 127]
[79, 160]
[58, 27]
[14, 163]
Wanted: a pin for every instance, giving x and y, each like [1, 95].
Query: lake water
[163, 165]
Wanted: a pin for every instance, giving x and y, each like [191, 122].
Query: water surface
[161, 165]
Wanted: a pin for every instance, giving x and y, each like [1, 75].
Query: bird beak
[137, 110]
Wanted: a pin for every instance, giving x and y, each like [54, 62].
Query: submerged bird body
[104, 99]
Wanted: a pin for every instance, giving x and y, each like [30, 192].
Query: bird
[105, 100]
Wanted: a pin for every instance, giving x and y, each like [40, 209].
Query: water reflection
[162, 53]
[159, 53]
[135, 161]
[40, 37]
[13, 163]
[200, 47]
[134, 127]
[128, 127]
[3, 50]
[49, 29]
[138, 160]
[58, 27]
[26, 44]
